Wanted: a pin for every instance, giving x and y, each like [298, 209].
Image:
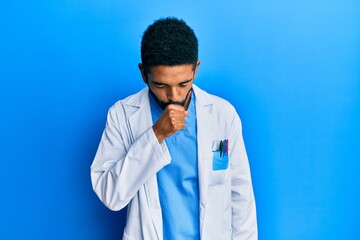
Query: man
[173, 153]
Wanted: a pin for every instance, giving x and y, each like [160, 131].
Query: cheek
[178, 93]
[184, 92]
[160, 94]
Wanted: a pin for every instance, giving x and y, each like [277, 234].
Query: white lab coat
[129, 156]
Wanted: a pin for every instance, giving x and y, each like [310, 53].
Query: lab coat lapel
[140, 118]
[204, 139]
[139, 122]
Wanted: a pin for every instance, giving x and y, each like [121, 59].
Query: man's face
[171, 84]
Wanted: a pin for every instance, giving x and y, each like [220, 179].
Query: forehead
[171, 74]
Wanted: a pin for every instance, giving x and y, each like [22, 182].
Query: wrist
[160, 137]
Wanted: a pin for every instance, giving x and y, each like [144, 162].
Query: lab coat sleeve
[121, 166]
[244, 223]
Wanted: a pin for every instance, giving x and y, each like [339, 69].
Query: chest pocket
[220, 161]
[219, 165]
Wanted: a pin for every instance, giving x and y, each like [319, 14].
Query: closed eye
[158, 85]
[185, 83]
[161, 85]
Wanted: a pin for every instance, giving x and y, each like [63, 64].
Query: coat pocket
[220, 162]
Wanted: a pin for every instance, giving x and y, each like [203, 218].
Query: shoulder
[217, 103]
[134, 100]
[130, 103]
[218, 110]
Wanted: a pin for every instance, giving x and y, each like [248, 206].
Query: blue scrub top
[178, 182]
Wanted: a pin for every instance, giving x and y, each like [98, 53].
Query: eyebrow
[184, 82]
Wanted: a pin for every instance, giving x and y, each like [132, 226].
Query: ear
[196, 68]
[143, 74]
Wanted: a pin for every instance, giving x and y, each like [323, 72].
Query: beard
[163, 105]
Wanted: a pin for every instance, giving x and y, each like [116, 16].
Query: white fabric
[129, 156]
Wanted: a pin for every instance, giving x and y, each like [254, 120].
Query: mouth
[163, 105]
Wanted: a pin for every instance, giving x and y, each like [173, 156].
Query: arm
[121, 166]
[244, 225]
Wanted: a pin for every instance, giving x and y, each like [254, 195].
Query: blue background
[291, 68]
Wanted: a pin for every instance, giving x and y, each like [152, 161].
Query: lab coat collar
[139, 99]
[202, 97]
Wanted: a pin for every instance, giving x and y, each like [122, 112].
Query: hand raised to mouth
[171, 120]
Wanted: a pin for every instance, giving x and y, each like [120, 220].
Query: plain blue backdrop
[291, 69]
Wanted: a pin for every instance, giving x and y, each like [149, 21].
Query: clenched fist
[171, 120]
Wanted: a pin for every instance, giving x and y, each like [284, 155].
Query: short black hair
[168, 41]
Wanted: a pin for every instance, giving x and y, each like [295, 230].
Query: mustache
[163, 105]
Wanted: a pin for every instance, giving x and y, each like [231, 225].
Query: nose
[172, 94]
